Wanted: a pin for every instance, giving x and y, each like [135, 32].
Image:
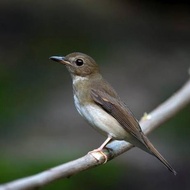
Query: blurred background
[143, 49]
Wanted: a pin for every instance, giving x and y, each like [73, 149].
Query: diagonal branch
[161, 114]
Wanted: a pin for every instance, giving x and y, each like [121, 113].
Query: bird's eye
[79, 62]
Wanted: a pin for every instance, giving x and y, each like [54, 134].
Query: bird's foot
[97, 154]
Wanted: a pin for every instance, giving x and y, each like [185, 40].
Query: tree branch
[161, 114]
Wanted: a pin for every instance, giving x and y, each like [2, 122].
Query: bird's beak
[60, 59]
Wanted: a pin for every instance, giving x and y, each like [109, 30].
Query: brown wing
[119, 111]
[123, 115]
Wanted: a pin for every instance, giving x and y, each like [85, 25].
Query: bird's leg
[100, 149]
[104, 144]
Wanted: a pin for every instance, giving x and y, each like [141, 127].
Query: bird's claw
[97, 154]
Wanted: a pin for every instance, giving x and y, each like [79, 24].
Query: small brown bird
[98, 103]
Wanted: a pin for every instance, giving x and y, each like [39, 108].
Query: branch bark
[161, 114]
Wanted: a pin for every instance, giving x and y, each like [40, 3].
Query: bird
[100, 105]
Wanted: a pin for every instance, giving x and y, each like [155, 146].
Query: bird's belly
[102, 121]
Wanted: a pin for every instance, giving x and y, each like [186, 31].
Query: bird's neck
[85, 80]
[82, 86]
[77, 80]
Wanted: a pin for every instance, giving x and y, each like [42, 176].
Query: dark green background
[143, 50]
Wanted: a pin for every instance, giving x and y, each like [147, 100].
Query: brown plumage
[100, 105]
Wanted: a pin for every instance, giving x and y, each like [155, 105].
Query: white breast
[101, 120]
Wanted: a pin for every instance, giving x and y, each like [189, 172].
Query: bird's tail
[154, 152]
